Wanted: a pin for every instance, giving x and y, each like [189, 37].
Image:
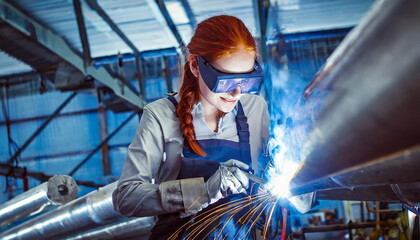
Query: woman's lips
[228, 100]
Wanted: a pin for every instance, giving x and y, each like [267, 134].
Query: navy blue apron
[218, 151]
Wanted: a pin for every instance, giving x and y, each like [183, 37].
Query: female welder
[192, 151]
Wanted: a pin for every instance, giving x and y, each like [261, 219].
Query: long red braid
[190, 95]
[214, 38]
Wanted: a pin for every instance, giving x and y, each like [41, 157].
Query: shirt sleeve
[136, 194]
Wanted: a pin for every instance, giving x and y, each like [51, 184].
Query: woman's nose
[236, 92]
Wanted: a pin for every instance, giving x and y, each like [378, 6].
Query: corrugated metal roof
[136, 19]
[314, 15]
[242, 9]
[58, 15]
[144, 25]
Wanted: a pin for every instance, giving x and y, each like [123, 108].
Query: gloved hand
[228, 179]
[237, 168]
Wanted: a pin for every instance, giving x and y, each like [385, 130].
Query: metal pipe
[350, 232]
[374, 210]
[362, 212]
[398, 167]
[413, 226]
[371, 83]
[377, 218]
[92, 210]
[59, 190]
[404, 201]
[350, 225]
[131, 227]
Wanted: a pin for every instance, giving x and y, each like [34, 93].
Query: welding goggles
[221, 82]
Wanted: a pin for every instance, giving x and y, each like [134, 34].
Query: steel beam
[190, 14]
[170, 23]
[261, 9]
[31, 42]
[101, 12]
[37, 118]
[66, 154]
[95, 6]
[103, 132]
[168, 75]
[82, 32]
[20, 172]
[39, 130]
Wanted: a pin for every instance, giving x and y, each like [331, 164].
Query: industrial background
[342, 79]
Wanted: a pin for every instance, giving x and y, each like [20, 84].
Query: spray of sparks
[258, 204]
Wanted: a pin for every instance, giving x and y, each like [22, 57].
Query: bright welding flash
[279, 181]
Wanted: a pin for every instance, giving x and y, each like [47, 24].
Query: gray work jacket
[154, 161]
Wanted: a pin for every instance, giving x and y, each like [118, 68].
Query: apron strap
[243, 134]
[173, 100]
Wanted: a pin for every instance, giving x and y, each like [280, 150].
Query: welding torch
[254, 178]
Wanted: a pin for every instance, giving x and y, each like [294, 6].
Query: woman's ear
[192, 60]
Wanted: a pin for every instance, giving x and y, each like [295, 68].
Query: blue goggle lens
[221, 82]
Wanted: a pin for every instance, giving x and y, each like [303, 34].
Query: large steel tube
[90, 211]
[373, 106]
[136, 228]
[401, 167]
[59, 189]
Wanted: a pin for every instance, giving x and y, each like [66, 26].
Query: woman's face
[240, 62]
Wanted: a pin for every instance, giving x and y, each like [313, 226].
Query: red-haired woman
[188, 159]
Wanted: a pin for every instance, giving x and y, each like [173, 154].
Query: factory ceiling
[111, 27]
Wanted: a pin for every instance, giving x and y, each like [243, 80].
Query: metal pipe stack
[90, 211]
[135, 228]
[58, 190]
